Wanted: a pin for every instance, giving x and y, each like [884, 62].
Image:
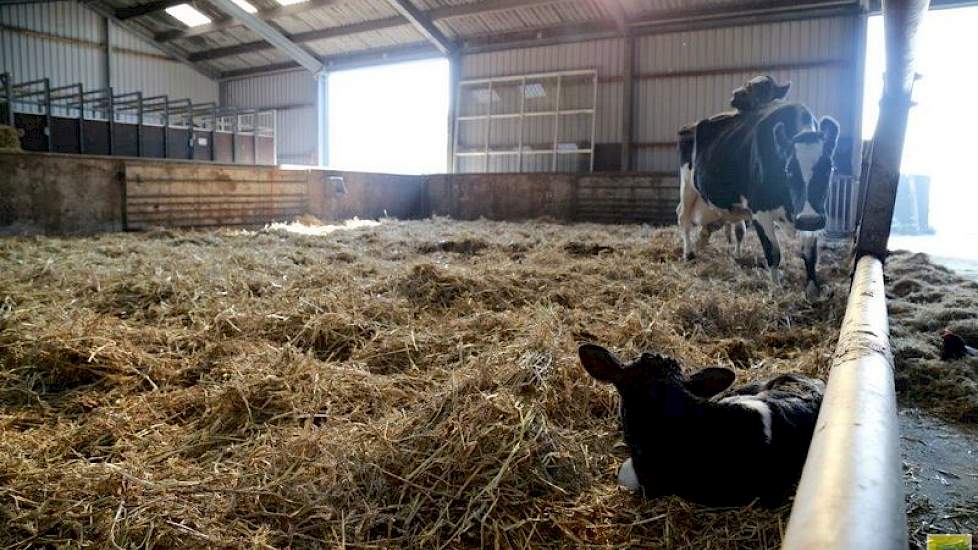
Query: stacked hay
[9, 139]
[923, 300]
[405, 385]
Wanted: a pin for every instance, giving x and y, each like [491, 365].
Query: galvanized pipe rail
[851, 490]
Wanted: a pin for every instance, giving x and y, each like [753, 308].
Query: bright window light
[290, 2]
[188, 15]
[940, 132]
[245, 6]
[392, 118]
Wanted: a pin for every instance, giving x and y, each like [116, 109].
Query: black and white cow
[688, 439]
[771, 165]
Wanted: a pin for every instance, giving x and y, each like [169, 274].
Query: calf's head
[808, 169]
[653, 386]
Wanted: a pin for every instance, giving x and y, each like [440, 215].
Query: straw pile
[923, 300]
[406, 385]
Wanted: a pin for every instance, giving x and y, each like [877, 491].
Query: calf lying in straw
[687, 440]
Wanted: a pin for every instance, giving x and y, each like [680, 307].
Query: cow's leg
[740, 230]
[687, 202]
[809, 252]
[764, 225]
[704, 239]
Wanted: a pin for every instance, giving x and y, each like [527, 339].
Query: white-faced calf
[690, 439]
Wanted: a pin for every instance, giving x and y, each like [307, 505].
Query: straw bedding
[410, 384]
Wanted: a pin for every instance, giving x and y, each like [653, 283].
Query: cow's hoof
[687, 256]
[627, 477]
[812, 291]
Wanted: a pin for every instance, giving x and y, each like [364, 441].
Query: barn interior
[315, 273]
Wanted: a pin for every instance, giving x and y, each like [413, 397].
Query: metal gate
[841, 206]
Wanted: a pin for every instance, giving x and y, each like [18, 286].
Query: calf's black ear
[710, 381]
[601, 363]
[782, 90]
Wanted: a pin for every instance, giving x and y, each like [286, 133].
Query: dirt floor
[397, 385]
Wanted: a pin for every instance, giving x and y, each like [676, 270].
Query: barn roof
[342, 33]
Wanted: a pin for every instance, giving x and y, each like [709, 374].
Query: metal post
[627, 106]
[901, 24]
[556, 125]
[488, 126]
[139, 124]
[254, 137]
[455, 135]
[594, 114]
[107, 44]
[47, 114]
[234, 138]
[454, 70]
[166, 126]
[9, 94]
[213, 132]
[522, 119]
[190, 130]
[851, 489]
[322, 118]
[110, 107]
[81, 119]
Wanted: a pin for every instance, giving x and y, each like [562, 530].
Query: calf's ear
[710, 381]
[601, 363]
[782, 90]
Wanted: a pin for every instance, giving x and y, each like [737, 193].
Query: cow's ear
[710, 381]
[780, 91]
[829, 129]
[601, 363]
[781, 138]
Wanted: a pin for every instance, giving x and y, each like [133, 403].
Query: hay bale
[9, 139]
[356, 385]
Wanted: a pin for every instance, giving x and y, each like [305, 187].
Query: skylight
[290, 2]
[243, 4]
[188, 15]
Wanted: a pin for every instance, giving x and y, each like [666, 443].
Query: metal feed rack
[520, 149]
[70, 119]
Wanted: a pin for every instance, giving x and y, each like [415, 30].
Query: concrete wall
[49, 193]
[43, 193]
[366, 196]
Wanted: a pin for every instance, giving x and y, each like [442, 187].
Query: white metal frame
[522, 115]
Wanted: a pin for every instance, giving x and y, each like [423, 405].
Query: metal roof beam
[299, 38]
[145, 36]
[139, 10]
[230, 22]
[437, 14]
[378, 56]
[618, 14]
[423, 24]
[272, 35]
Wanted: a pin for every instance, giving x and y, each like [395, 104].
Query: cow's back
[735, 156]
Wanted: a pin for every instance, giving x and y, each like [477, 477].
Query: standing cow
[771, 165]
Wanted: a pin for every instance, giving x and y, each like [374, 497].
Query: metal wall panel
[63, 41]
[605, 56]
[817, 55]
[294, 95]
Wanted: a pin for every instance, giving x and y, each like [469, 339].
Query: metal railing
[840, 208]
[851, 489]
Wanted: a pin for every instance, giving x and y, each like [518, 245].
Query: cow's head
[757, 92]
[808, 169]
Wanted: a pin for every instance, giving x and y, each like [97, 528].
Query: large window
[392, 118]
[526, 123]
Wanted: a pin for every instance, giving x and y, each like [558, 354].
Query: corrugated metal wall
[817, 55]
[685, 76]
[63, 41]
[293, 95]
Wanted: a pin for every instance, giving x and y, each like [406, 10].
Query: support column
[627, 103]
[454, 75]
[322, 118]
[107, 52]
